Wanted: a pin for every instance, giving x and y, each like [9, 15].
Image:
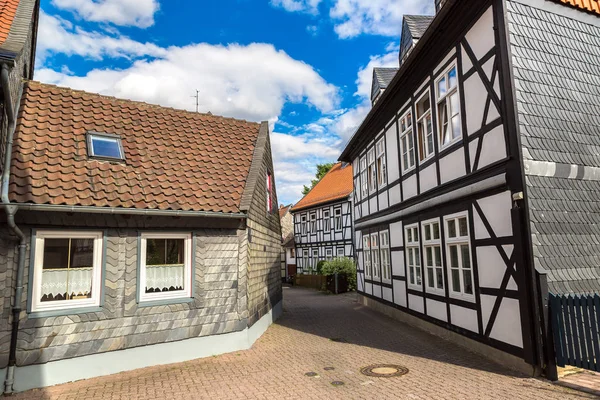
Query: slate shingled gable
[174, 159]
[556, 64]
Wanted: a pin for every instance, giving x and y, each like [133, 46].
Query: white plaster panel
[365, 208]
[447, 58]
[373, 205]
[507, 327]
[396, 234]
[416, 303]
[493, 148]
[480, 230]
[360, 282]
[464, 318]
[355, 167]
[497, 88]
[357, 213]
[473, 151]
[398, 263]
[475, 96]
[428, 178]
[368, 288]
[437, 310]
[409, 187]
[358, 240]
[466, 61]
[481, 36]
[391, 142]
[386, 294]
[453, 166]
[400, 293]
[491, 267]
[488, 68]
[395, 195]
[360, 260]
[383, 201]
[496, 210]
[377, 291]
[487, 304]
[493, 113]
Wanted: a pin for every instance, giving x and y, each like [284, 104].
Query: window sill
[165, 302]
[463, 297]
[64, 312]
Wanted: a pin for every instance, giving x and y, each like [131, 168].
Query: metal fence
[575, 329]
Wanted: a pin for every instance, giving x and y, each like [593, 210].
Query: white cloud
[306, 6]
[312, 30]
[377, 17]
[138, 13]
[56, 35]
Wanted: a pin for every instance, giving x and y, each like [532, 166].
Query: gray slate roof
[413, 28]
[381, 79]
[556, 64]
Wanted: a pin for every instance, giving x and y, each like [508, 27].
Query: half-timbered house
[477, 166]
[323, 220]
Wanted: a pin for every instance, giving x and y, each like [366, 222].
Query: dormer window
[105, 146]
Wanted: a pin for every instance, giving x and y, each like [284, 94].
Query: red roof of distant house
[283, 210]
[588, 5]
[174, 159]
[335, 185]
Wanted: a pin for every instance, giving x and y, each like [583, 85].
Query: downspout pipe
[11, 210]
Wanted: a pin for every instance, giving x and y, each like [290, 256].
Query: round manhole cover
[384, 370]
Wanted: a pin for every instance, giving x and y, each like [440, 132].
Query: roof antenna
[197, 96]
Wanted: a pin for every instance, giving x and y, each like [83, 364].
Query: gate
[575, 326]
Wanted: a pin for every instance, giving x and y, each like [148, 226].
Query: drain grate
[338, 340]
[337, 383]
[384, 370]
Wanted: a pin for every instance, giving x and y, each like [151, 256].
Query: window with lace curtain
[165, 266]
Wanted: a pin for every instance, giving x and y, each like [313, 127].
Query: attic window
[105, 146]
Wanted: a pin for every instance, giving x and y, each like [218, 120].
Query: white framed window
[315, 258]
[458, 250]
[413, 255]
[305, 260]
[326, 221]
[363, 178]
[424, 127]
[372, 171]
[407, 145]
[381, 166]
[269, 192]
[338, 219]
[303, 223]
[375, 256]
[367, 256]
[67, 270]
[432, 252]
[340, 252]
[165, 266]
[384, 245]
[313, 223]
[105, 146]
[448, 108]
[329, 254]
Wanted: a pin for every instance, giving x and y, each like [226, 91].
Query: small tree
[343, 266]
[322, 170]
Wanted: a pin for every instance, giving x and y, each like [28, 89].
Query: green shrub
[320, 265]
[343, 266]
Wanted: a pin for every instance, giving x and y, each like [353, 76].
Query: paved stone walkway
[300, 342]
[586, 381]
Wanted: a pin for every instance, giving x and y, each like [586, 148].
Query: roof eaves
[253, 174]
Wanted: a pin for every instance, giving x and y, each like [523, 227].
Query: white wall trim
[101, 364]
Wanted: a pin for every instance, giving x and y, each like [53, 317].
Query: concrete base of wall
[74, 369]
[507, 360]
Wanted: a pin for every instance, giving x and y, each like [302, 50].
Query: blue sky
[303, 65]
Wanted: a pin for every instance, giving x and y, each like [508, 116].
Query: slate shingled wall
[218, 307]
[556, 64]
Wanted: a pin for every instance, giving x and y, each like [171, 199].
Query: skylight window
[105, 146]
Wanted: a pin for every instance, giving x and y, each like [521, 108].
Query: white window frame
[367, 257]
[328, 254]
[413, 247]
[375, 257]
[422, 135]
[459, 241]
[305, 260]
[97, 285]
[326, 221]
[188, 279]
[303, 227]
[315, 259]
[406, 131]
[446, 99]
[337, 219]
[381, 163]
[385, 257]
[372, 171]
[312, 223]
[431, 242]
[342, 251]
[91, 136]
[364, 180]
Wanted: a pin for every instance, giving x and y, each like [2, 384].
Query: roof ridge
[28, 83]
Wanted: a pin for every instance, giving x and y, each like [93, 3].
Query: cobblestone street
[300, 342]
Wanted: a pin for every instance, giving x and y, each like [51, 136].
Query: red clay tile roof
[588, 5]
[174, 160]
[283, 210]
[8, 10]
[337, 184]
